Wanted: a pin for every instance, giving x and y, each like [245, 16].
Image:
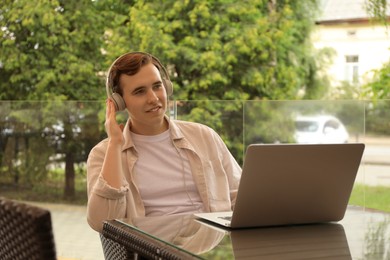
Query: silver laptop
[287, 184]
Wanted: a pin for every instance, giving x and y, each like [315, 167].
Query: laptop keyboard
[226, 218]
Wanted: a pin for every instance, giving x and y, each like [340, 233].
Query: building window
[352, 69]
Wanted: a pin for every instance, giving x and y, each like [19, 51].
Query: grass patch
[51, 190]
[374, 197]
[45, 188]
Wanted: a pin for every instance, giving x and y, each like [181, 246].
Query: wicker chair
[119, 243]
[25, 232]
[112, 249]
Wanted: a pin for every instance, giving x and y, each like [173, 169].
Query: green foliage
[379, 87]
[225, 49]
[378, 9]
[378, 117]
[225, 117]
[50, 48]
[48, 190]
[377, 241]
[268, 122]
[21, 139]
[378, 90]
[214, 50]
[37, 135]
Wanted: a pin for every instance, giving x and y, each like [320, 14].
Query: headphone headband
[117, 98]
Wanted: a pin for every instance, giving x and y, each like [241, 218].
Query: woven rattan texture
[144, 246]
[113, 250]
[25, 232]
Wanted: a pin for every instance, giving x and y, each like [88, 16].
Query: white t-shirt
[163, 177]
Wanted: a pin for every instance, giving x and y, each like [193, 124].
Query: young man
[154, 166]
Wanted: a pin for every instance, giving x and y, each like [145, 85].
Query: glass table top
[362, 234]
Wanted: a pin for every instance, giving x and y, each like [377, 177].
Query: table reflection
[368, 233]
[181, 231]
[362, 234]
[292, 242]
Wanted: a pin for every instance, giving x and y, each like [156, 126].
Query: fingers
[107, 108]
[113, 129]
[110, 115]
[110, 109]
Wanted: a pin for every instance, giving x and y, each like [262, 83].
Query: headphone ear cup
[168, 86]
[119, 102]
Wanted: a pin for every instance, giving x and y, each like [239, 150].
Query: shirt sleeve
[104, 201]
[230, 165]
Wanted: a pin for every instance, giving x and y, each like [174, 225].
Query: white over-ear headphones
[117, 98]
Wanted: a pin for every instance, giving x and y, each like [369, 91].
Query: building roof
[343, 10]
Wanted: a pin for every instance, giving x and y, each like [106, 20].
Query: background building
[360, 45]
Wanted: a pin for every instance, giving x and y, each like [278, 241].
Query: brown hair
[129, 64]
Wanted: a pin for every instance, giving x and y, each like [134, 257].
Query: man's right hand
[113, 129]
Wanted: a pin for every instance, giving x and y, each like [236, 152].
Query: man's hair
[129, 64]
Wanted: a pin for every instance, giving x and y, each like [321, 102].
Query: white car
[321, 129]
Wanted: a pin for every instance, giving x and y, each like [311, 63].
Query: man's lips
[154, 109]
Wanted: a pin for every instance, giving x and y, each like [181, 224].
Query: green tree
[268, 122]
[214, 50]
[378, 110]
[379, 87]
[226, 50]
[51, 50]
[20, 140]
[378, 10]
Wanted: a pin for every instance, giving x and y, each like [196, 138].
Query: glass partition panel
[44, 147]
[47, 142]
[225, 117]
[375, 182]
[303, 121]
[307, 121]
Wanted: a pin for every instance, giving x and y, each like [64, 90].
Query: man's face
[145, 98]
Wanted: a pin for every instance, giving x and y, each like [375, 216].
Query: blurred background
[257, 71]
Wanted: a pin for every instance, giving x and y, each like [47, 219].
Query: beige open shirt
[216, 174]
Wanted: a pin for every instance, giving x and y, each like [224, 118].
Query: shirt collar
[174, 130]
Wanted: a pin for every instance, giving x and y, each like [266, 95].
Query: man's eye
[139, 92]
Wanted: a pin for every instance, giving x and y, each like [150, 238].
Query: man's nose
[152, 96]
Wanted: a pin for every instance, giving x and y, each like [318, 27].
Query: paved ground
[75, 240]
[375, 169]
